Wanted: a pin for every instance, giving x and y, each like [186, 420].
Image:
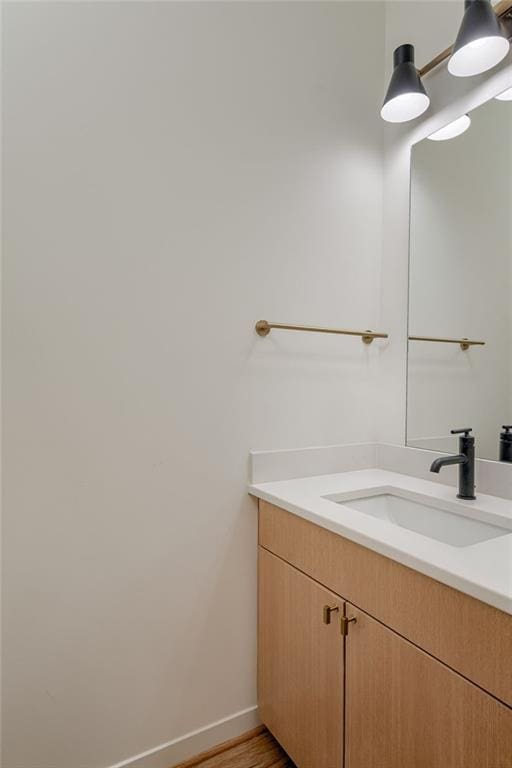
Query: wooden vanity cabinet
[471, 637]
[361, 694]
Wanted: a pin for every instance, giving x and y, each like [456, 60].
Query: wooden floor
[256, 749]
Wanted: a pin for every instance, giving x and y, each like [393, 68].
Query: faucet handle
[506, 428]
[464, 431]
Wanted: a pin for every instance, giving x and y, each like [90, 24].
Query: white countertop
[482, 570]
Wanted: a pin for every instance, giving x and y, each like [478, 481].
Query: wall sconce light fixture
[406, 98]
[481, 42]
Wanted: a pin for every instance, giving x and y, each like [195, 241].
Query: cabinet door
[404, 708]
[300, 664]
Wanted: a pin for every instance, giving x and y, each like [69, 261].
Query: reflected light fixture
[481, 42]
[505, 96]
[453, 129]
[406, 97]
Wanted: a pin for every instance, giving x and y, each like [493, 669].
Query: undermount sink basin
[426, 519]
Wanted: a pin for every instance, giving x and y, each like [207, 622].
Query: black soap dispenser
[506, 444]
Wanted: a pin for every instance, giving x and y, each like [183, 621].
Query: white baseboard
[192, 744]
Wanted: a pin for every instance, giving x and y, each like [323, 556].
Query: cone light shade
[481, 42]
[406, 97]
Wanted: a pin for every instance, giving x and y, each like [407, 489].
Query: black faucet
[466, 461]
[506, 444]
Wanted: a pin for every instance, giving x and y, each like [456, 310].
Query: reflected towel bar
[465, 344]
[263, 328]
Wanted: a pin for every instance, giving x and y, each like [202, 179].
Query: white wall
[460, 282]
[427, 25]
[173, 172]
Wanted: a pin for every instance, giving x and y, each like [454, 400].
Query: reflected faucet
[466, 461]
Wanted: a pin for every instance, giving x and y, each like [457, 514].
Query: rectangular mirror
[460, 286]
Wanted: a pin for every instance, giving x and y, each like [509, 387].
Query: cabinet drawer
[473, 638]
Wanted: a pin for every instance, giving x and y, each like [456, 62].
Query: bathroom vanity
[385, 602]
[379, 647]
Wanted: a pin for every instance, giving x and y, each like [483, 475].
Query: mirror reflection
[460, 285]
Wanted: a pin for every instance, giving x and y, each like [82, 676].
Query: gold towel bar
[263, 328]
[465, 344]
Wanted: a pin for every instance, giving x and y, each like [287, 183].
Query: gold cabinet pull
[328, 609]
[344, 622]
